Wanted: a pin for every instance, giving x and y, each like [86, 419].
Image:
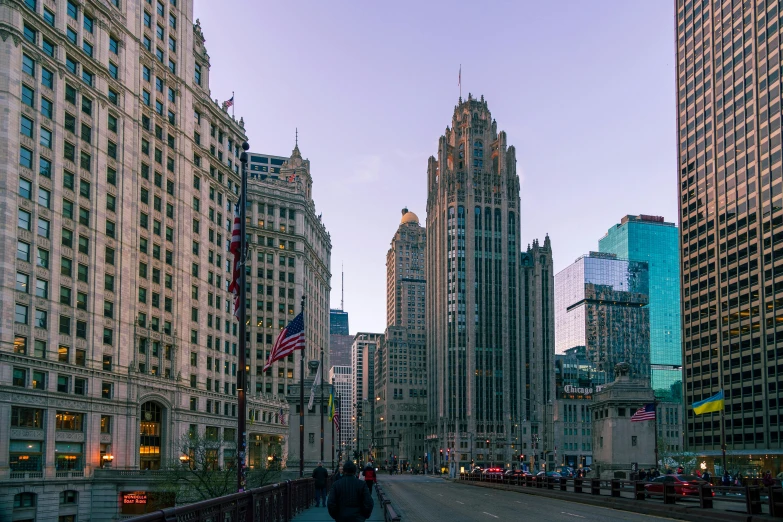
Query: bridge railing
[389, 514]
[753, 498]
[275, 502]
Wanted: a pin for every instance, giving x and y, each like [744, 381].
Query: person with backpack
[369, 476]
[349, 499]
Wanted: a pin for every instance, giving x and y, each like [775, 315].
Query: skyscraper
[120, 178]
[362, 403]
[338, 322]
[731, 209]
[601, 304]
[401, 381]
[537, 316]
[650, 239]
[475, 374]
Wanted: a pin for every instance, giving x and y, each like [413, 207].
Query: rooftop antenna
[297, 137]
[342, 287]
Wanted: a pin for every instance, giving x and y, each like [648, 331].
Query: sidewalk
[316, 514]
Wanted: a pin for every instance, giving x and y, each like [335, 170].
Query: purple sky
[585, 91]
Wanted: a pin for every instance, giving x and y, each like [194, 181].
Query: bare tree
[198, 475]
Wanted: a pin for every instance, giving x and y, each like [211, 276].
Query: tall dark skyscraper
[731, 202]
[338, 322]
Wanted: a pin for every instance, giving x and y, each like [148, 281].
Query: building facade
[338, 322]
[340, 349]
[400, 366]
[601, 304]
[342, 379]
[651, 239]
[363, 397]
[535, 424]
[291, 256]
[474, 326]
[118, 185]
[731, 208]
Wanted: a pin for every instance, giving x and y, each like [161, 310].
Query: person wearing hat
[349, 499]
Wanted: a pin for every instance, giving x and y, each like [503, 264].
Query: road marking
[440, 494]
[567, 513]
[490, 514]
[518, 502]
[458, 502]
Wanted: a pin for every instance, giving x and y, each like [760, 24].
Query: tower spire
[342, 287]
[296, 139]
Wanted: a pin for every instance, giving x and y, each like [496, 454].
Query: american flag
[291, 338]
[645, 413]
[228, 103]
[291, 178]
[282, 417]
[234, 248]
[336, 420]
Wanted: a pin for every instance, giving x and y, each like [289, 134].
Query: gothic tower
[475, 380]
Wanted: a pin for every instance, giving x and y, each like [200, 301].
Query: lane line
[567, 513]
[458, 502]
[490, 514]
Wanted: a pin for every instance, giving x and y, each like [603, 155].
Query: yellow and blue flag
[714, 403]
[331, 403]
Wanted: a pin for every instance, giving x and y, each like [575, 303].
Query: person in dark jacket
[369, 476]
[349, 499]
[320, 476]
[339, 473]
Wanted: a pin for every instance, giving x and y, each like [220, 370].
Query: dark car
[511, 473]
[493, 472]
[683, 484]
[566, 471]
[554, 474]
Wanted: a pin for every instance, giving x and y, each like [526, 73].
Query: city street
[419, 498]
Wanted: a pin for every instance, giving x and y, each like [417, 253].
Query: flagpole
[322, 404]
[322, 400]
[655, 407]
[339, 431]
[241, 373]
[233, 103]
[723, 436]
[301, 398]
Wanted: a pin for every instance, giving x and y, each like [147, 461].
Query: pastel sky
[584, 89]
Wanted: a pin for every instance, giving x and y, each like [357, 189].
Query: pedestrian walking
[767, 479]
[369, 476]
[738, 480]
[320, 476]
[349, 499]
[339, 473]
[707, 477]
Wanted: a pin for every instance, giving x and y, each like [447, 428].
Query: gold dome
[409, 217]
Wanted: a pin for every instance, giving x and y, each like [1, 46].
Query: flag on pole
[714, 403]
[331, 403]
[316, 382]
[291, 338]
[228, 103]
[234, 248]
[645, 413]
[282, 417]
[336, 421]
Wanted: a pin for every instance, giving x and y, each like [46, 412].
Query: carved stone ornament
[5, 33]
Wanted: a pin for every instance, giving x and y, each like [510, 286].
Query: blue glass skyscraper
[650, 239]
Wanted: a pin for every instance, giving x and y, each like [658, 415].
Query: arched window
[150, 435]
[478, 149]
[24, 500]
[461, 150]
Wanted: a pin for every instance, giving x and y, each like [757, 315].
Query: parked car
[566, 471]
[493, 472]
[554, 474]
[683, 484]
[512, 473]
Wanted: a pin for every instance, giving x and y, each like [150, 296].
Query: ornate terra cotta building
[477, 311]
[116, 336]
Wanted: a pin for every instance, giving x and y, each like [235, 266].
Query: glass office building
[601, 304]
[650, 239]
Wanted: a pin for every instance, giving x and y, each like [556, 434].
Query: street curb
[624, 504]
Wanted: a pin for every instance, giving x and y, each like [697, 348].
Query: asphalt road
[420, 498]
